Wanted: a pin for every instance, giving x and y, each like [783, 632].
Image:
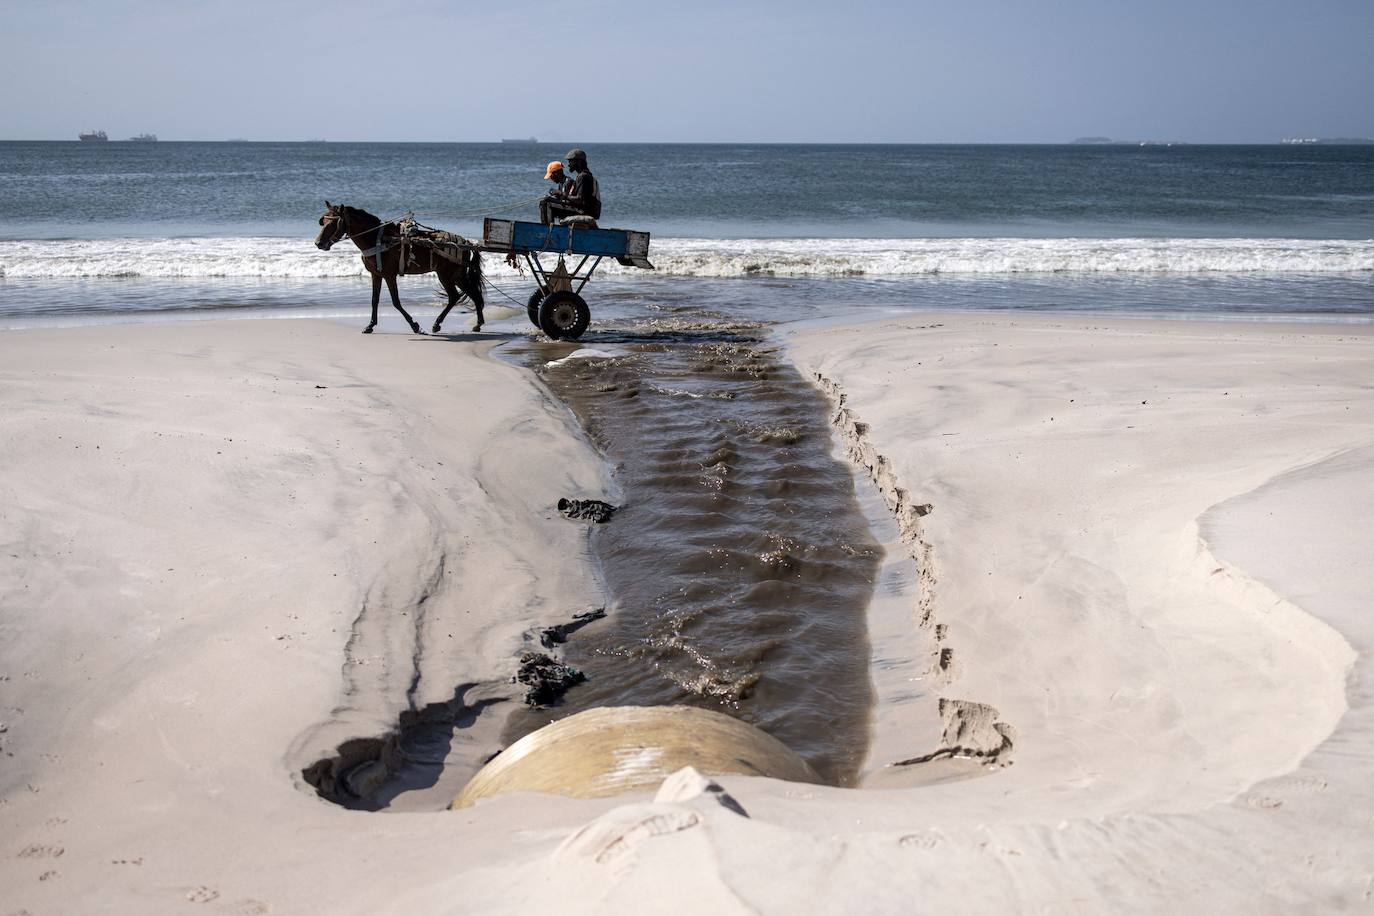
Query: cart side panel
[497, 233]
[514, 235]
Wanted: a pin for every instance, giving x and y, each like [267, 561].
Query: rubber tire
[532, 309]
[564, 315]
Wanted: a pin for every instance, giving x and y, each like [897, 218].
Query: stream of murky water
[740, 566]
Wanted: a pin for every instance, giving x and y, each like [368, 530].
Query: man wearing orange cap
[579, 197]
[561, 182]
[558, 194]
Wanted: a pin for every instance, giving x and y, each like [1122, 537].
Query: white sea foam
[175, 258]
[589, 353]
[298, 258]
[924, 257]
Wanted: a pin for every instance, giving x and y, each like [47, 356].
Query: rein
[377, 250]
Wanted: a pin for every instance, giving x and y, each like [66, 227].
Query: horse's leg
[472, 276]
[376, 295]
[446, 281]
[396, 301]
[477, 307]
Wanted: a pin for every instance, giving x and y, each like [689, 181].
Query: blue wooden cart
[557, 307]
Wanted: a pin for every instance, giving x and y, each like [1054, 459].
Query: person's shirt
[586, 193]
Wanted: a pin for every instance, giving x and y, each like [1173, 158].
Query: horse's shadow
[471, 337]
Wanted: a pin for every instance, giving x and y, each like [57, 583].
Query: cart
[557, 307]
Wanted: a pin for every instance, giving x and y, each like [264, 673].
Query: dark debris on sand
[592, 509]
[557, 635]
[545, 679]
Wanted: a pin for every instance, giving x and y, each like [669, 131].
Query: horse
[386, 254]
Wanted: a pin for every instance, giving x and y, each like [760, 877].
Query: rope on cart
[489, 285]
[486, 211]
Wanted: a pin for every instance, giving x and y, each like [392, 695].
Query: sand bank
[1141, 557]
[229, 547]
[1143, 565]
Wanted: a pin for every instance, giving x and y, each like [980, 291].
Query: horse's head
[333, 226]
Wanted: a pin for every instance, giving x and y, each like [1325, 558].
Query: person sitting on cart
[562, 184]
[583, 198]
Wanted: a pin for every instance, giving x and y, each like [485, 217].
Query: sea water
[97, 232]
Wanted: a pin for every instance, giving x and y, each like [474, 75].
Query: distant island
[1108, 141]
[1302, 141]
[1328, 141]
[525, 141]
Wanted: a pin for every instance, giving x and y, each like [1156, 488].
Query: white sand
[213, 571]
[1165, 603]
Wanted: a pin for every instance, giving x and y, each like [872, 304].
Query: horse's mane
[367, 219]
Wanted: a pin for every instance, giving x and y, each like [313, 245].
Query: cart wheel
[564, 315]
[532, 309]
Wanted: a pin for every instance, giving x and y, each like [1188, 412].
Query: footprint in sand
[919, 841]
[40, 851]
[612, 839]
[250, 907]
[202, 894]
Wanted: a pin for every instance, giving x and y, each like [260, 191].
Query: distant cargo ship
[144, 138]
[95, 136]
[527, 141]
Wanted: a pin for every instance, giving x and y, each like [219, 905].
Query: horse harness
[407, 229]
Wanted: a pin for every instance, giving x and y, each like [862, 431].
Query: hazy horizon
[994, 71]
[589, 141]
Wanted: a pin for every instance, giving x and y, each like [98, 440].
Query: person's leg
[551, 211]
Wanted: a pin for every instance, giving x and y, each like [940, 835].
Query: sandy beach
[1121, 651]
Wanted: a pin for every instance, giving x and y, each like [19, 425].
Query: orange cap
[554, 166]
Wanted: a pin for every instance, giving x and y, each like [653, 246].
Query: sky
[957, 71]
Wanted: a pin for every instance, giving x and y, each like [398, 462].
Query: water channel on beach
[740, 566]
[737, 568]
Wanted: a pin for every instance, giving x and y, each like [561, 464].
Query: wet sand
[1162, 603]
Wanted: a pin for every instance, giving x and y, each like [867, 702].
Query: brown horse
[386, 254]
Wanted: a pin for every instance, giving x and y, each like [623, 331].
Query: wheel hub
[565, 316]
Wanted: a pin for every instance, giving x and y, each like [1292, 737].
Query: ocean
[123, 231]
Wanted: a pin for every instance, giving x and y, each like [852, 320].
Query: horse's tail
[472, 274]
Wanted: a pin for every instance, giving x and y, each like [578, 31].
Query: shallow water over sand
[740, 566]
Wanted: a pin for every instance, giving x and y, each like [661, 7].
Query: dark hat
[576, 153]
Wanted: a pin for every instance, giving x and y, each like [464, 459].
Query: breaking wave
[929, 257]
[269, 258]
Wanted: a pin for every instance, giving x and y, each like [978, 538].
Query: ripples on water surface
[740, 565]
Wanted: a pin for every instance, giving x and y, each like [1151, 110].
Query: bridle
[382, 245]
[335, 219]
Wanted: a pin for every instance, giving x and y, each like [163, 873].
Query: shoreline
[501, 310]
[1174, 712]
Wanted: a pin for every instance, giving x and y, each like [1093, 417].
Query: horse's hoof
[415, 329]
[368, 329]
[477, 327]
[435, 329]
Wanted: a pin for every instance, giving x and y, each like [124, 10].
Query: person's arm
[582, 193]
